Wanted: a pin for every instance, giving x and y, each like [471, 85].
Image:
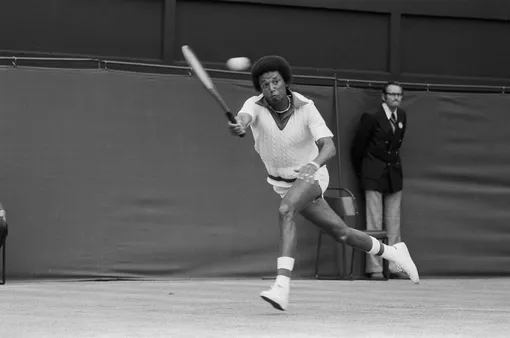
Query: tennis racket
[206, 80]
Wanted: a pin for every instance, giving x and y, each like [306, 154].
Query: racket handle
[232, 119]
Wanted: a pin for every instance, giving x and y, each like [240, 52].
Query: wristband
[314, 164]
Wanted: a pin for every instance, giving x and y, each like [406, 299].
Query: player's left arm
[323, 138]
[327, 150]
[322, 135]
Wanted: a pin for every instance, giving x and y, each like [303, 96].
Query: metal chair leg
[353, 253]
[3, 262]
[344, 263]
[386, 270]
[386, 265]
[317, 259]
[318, 255]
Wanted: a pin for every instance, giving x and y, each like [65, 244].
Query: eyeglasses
[395, 94]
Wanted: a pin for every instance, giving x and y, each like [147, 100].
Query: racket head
[203, 76]
[197, 67]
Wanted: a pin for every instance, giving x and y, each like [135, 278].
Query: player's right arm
[244, 118]
[243, 121]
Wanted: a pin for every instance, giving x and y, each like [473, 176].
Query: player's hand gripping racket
[206, 80]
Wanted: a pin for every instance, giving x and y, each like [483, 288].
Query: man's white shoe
[404, 262]
[278, 296]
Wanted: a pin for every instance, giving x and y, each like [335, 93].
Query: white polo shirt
[283, 151]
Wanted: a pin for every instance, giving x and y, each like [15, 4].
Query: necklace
[285, 110]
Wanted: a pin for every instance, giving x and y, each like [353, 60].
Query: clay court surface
[232, 308]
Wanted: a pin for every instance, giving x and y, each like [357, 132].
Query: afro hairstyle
[270, 63]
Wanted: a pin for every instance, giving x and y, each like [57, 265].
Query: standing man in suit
[376, 158]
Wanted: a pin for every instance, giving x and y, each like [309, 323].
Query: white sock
[286, 263]
[376, 246]
[389, 251]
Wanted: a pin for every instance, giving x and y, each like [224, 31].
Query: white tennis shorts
[281, 188]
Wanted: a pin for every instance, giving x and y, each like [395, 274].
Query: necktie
[393, 121]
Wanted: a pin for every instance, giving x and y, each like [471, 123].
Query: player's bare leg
[297, 198]
[321, 214]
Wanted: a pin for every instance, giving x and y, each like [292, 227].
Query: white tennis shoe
[277, 296]
[404, 262]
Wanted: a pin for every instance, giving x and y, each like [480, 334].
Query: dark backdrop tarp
[125, 175]
[457, 184]
[115, 174]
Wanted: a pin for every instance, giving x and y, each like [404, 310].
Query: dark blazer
[375, 151]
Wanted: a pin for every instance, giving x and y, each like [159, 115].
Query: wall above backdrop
[456, 42]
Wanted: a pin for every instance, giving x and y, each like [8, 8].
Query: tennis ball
[238, 63]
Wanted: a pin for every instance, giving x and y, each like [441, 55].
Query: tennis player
[294, 144]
